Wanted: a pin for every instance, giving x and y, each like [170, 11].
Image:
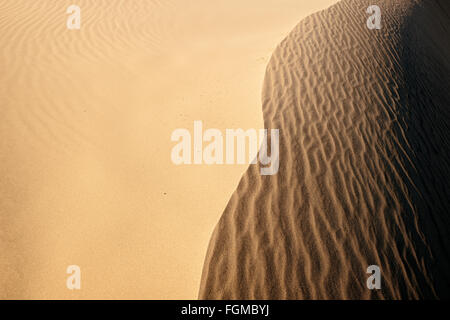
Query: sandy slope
[364, 165]
[85, 123]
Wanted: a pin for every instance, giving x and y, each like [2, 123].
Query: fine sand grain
[364, 164]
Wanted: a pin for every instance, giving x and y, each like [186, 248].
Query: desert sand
[86, 118]
[364, 173]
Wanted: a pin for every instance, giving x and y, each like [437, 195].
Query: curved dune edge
[364, 164]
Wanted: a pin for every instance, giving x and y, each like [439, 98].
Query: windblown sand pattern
[37, 39]
[86, 118]
[364, 164]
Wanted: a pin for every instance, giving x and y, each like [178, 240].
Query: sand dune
[364, 164]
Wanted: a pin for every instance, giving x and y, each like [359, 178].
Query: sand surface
[364, 164]
[85, 123]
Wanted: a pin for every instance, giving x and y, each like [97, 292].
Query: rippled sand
[364, 164]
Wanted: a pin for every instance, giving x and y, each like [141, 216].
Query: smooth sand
[85, 124]
[364, 164]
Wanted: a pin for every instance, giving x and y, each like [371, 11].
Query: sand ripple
[364, 164]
